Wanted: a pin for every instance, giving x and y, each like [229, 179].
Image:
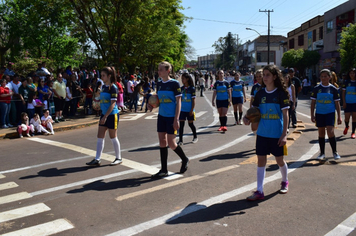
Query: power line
[226, 22]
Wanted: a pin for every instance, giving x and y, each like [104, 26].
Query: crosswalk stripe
[2, 176]
[200, 113]
[23, 212]
[175, 183]
[14, 197]
[48, 228]
[8, 185]
[128, 163]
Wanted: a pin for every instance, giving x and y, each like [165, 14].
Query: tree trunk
[3, 50]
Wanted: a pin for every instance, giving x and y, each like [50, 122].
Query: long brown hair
[110, 70]
[279, 81]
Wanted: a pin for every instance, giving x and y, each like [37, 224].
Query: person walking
[349, 101]
[298, 87]
[238, 97]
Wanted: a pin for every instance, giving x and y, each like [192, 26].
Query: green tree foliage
[226, 47]
[347, 47]
[132, 33]
[300, 59]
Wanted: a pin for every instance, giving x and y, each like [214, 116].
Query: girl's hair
[237, 73]
[167, 65]
[23, 114]
[278, 82]
[109, 70]
[69, 85]
[289, 79]
[189, 79]
[348, 73]
[2, 81]
[260, 71]
[328, 72]
[36, 115]
[28, 79]
[334, 79]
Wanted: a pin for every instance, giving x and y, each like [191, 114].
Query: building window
[301, 40]
[321, 32]
[291, 43]
[262, 56]
[314, 35]
[329, 26]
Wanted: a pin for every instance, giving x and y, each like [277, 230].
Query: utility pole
[268, 40]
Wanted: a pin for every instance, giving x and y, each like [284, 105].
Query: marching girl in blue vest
[222, 93]
[325, 97]
[187, 110]
[238, 97]
[349, 101]
[170, 96]
[273, 102]
[109, 119]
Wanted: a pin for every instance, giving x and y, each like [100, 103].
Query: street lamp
[253, 30]
[268, 43]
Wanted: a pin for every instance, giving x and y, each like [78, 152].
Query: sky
[286, 16]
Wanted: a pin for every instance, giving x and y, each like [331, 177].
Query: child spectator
[24, 125]
[31, 104]
[88, 98]
[35, 124]
[47, 121]
[120, 95]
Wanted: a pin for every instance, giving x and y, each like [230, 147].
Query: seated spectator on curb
[35, 125]
[47, 121]
[24, 125]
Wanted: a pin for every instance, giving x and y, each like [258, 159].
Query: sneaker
[20, 136]
[52, 133]
[28, 135]
[116, 162]
[4, 127]
[336, 156]
[294, 126]
[160, 175]
[256, 196]
[353, 136]
[184, 166]
[93, 162]
[195, 140]
[224, 128]
[62, 119]
[56, 121]
[321, 156]
[240, 122]
[236, 123]
[10, 126]
[221, 128]
[284, 187]
[180, 143]
[345, 130]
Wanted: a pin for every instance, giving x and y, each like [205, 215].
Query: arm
[293, 97]
[251, 100]
[244, 92]
[344, 98]
[230, 100]
[312, 109]
[338, 110]
[177, 113]
[193, 106]
[283, 139]
[213, 100]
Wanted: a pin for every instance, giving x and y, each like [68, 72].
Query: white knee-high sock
[261, 172]
[284, 172]
[41, 129]
[50, 126]
[116, 143]
[99, 148]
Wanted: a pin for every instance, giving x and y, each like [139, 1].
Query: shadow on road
[229, 156]
[194, 213]
[54, 172]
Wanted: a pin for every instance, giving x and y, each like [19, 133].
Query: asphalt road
[45, 187]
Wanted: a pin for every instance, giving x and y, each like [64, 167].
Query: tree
[300, 59]
[226, 47]
[347, 48]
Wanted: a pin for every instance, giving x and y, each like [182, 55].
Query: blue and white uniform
[167, 92]
[222, 93]
[188, 94]
[255, 88]
[108, 94]
[350, 96]
[237, 91]
[325, 97]
[270, 128]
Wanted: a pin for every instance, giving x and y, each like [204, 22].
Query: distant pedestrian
[109, 119]
[238, 97]
[201, 84]
[298, 87]
[292, 99]
[349, 101]
[325, 100]
[257, 86]
[273, 103]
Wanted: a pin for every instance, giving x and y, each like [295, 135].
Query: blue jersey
[255, 88]
[237, 88]
[106, 96]
[221, 88]
[325, 97]
[271, 105]
[350, 88]
[187, 98]
[167, 93]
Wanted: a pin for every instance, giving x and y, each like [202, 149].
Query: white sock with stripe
[116, 143]
[284, 172]
[261, 172]
[99, 148]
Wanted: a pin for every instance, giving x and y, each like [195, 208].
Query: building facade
[207, 62]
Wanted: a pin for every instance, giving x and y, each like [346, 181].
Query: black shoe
[62, 119]
[184, 166]
[56, 121]
[93, 162]
[160, 175]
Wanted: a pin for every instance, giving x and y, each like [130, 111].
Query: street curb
[14, 134]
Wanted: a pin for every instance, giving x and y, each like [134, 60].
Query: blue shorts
[222, 103]
[165, 125]
[350, 107]
[185, 116]
[323, 120]
[111, 122]
[266, 146]
[237, 100]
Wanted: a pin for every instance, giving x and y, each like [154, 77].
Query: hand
[11, 93]
[213, 103]
[246, 121]
[175, 125]
[293, 107]
[23, 102]
[313, 118]
[103, 120]
[149, 107]
[339, 120]
[244, 99]
[191, 113]
[282, 140]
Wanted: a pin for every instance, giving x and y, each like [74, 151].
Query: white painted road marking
[132, 116]
[14, 197]
[200, 113]
[8, 185]
[345, 227]
[302, 114]
[45, 229]
[211, 201]
[2, 176]
[23, 212]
